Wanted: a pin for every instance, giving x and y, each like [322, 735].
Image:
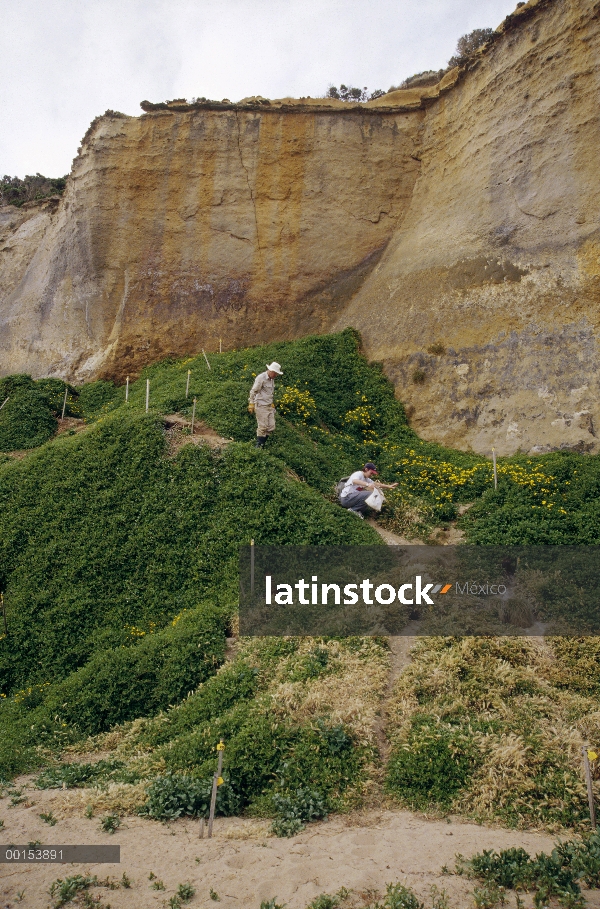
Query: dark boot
[260, 441]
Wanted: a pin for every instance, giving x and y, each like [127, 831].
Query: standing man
[260, 402]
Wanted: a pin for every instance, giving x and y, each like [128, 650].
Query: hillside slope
[119, 555]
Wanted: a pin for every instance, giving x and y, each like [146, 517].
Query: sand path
[244, 865]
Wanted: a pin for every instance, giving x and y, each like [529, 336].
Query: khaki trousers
[265, 419]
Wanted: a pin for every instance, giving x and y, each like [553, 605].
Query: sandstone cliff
[455, 225]
[496, 266]
[191, 224]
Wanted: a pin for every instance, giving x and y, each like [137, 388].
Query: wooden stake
[588, 780]
[220, 347]
[147, 394]
[206, 358]
[251, 567]
[4, 402]
[3, 612]
[201, 834]
[62, 416]
[217, 780]
[187, 384]
[193, 415]
[127, 390]
[495, 471]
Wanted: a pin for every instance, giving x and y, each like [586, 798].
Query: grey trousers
[355, 499]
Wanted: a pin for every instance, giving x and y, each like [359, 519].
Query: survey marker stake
[587, 753]
[4, 402]
[127, 390]
[147, 394]
[187, 384]
[217, 781]
[62, 416]
[206, 358]
[251, 567]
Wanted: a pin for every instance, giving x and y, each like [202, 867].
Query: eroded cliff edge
[456, 227]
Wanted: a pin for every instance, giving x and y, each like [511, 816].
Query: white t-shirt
[350, 484]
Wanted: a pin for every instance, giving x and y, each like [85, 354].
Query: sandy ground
[243, 865]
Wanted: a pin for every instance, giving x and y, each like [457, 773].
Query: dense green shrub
[176, 794]
[555, 876]
[124, 683]
[296, 809]
[26, 420]
[95, 398]
[14, 191]
[434, 765]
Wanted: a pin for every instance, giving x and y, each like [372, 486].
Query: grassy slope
[107, 543]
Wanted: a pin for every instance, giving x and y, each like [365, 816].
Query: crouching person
[358, 487]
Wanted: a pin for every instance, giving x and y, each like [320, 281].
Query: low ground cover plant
[555, 876]
[118, 565]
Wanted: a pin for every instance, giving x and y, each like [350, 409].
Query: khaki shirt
[262, 391]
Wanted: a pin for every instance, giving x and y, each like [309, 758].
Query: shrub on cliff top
[468, 44]
[14, 191]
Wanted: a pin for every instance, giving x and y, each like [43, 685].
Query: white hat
[275, 367]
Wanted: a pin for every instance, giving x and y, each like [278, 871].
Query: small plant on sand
[64, 891]
[419, 376]
[110, 823]
[48, 818]
[185, 892]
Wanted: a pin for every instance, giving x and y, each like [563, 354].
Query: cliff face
[457, 226]
[189, 225]
[496, 266]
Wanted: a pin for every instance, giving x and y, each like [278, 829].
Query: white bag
[375, 500]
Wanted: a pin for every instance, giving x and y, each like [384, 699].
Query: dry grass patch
[510, 730]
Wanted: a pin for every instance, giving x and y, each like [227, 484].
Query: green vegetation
[493, 728]
[550, 877]
[110, 823]
[468, 44]
[119, 562]
[65, 890]
[14, 191]
[352, 94]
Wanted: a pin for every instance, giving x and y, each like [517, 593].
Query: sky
[63, 62]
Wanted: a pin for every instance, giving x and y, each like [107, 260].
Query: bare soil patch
[244, 865]
[178, 430]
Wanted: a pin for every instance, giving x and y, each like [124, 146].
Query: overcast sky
[63, 62]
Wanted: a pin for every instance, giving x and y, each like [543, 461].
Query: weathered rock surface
[497, 261]
[187, 225]
[456, 225]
